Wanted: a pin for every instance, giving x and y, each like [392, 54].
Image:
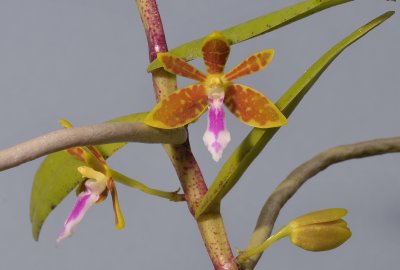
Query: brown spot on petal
[179, 108]
[254, 63]
[178, 66]
[252, 107]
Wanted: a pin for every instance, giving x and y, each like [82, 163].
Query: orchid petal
[177, 66]
[252, 107]
[96, 153]
[252, 64]
[84, 201]
[95, 187]
[215, 52]
[179, 108]
[217, 136]
[85, 155]
[78, 153]
[65, 123]
[90, 173]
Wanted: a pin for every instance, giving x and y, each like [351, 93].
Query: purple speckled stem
[211, 226]
[153, 26]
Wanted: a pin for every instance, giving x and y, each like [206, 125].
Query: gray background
[85, 61]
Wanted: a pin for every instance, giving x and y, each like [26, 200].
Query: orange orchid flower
[214, 90]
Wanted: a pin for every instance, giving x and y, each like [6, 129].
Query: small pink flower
[94, 189]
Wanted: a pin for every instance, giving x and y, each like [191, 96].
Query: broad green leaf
[255, 27]
[57, 176]
[256, 140]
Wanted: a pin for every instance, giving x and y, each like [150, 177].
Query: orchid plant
[83, 166]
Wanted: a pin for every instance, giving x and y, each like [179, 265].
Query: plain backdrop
[85, 61]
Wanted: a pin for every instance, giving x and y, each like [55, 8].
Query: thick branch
[288, 187]
[87, 135]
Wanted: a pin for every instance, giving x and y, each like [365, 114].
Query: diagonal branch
[87, 135]
[288, 187]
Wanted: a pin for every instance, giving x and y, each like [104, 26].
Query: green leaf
[256, 140]
[57, 176]
[255, 27]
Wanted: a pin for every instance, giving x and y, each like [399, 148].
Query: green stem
[125, 180]
[245, 255]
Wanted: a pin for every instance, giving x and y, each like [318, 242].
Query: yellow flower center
[215, 86]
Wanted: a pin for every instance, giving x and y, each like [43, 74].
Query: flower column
[211, 225]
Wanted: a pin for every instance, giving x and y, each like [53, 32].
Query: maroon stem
[211, 226]
[153, 27]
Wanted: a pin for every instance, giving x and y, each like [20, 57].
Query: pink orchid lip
[217, 136]
[85, 200]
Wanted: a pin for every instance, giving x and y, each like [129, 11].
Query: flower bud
[320, 230]
[315, 231]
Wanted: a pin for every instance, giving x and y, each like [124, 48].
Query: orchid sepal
[252, 107]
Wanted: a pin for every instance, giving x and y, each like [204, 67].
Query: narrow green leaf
[57, 176]
[256, 140]
[255, 27]
[125, 180]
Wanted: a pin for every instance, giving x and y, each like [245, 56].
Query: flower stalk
[245, 255]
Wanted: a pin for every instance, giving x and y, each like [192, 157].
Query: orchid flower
[214, 90]
[94, 189]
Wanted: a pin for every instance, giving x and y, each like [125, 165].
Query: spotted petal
[177, 66]
[252, 107]
[215, 52]
[179, 108]
[254, 63]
